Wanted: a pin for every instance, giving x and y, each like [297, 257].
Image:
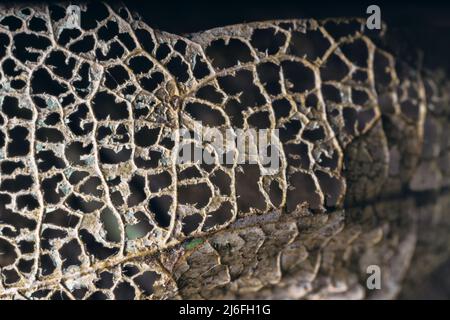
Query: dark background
[196, 15]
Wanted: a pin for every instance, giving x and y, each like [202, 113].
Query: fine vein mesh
[93, 204]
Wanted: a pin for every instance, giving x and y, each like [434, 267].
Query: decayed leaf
[94, 206]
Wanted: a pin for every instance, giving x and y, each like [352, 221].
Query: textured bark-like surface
[94, 206]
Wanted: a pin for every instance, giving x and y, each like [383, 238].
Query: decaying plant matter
[92, 205]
